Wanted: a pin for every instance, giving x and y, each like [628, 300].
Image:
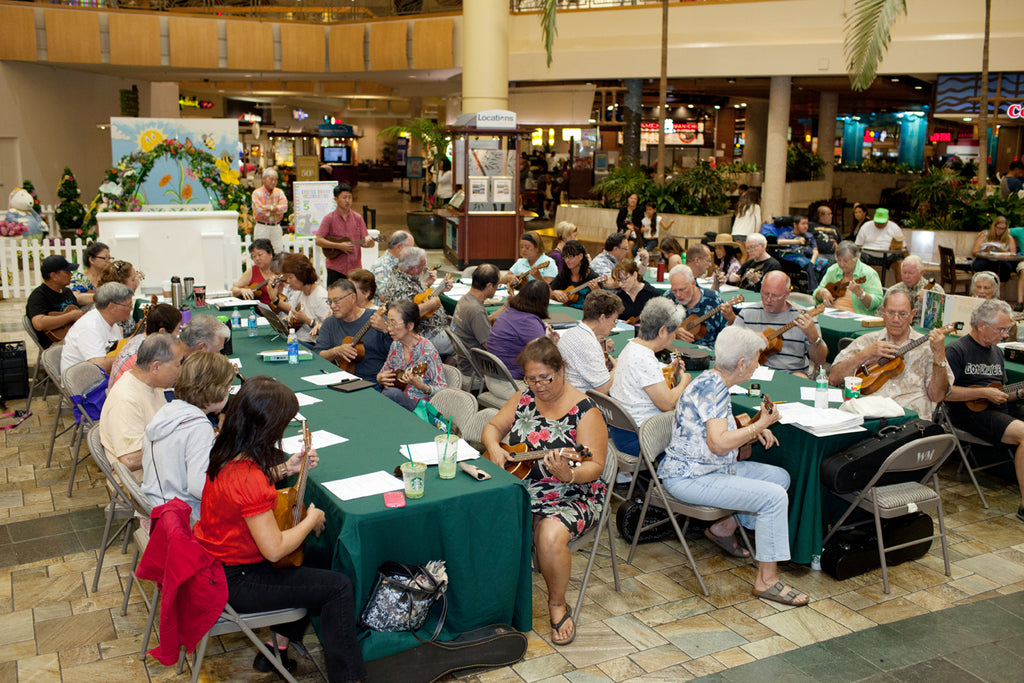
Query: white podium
[199, 244]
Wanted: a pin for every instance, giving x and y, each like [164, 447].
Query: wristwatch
[938, 365]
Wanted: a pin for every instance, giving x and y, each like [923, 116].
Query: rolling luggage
[851, 469]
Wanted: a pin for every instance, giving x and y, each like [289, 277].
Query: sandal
[775, 594]
[729, 544]
[556, 627]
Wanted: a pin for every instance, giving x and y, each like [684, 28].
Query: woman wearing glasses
[574, 271]
[85, 280]
[412, 371]
[567, 497]
[634, 292]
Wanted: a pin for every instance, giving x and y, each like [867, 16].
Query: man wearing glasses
[616, 248]
[926, 377]
[977, 362]
[698, 301]
[347, 320]
[798, 343]
[96, 332]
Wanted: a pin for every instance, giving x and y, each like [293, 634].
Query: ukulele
[268, 282]
[291, 508]
[694, 324]
[418, 370]
[874, 375]
[330, 252]
[153, 300]
[838, 288]
[744, 420]
[58, 333]
[521, 279]
[294, 324]
[572, 294]
[522, 459]
[673, 375]
[428, 293]
[774, 337]
[356, 341]
[1013, 391]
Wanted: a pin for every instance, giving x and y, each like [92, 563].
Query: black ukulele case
[852, 552]
[483, 648]
[851, 469]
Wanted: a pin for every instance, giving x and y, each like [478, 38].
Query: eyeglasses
[1002, 330]
[339, 299]
[769, 295]
[539, 381]
[621, 278]
[901, 315]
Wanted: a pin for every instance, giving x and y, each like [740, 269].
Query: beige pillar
[828, 108]
[754, 130]
[773, 197]
[163, 100]
[484, 55]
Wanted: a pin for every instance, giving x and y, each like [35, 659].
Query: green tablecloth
[481, 529]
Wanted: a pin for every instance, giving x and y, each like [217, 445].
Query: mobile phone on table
[394, 499]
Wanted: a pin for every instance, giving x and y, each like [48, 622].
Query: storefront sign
[940, 137]
[299, 115]
[335, 130]
[187, 102]
[1014, 111]
[496, 119]
[250, 118]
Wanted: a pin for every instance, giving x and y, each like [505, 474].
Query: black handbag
[402, 598]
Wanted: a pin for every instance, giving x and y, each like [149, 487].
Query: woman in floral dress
[566, 497]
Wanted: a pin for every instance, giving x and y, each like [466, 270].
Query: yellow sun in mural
[150, 138]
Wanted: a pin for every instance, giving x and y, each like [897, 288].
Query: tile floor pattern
[658, 628]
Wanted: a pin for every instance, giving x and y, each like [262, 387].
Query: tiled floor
[657, 628]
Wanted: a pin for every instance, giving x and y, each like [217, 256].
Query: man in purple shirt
[344, 231]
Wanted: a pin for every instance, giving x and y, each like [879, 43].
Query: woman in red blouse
[237, 526]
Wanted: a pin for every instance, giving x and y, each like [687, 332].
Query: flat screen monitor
[337, 155]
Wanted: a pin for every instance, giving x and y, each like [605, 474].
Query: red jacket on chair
[193, 588]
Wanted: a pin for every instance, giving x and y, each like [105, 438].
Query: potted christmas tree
[70, 212]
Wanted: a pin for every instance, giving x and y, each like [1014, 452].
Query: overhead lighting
[918, 87]
[968, 118]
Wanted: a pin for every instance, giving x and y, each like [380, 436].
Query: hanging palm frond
[547, 26]
[867, 37]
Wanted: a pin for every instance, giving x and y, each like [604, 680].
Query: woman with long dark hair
[575, 271]
[237, 526]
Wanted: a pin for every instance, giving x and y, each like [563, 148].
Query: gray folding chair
[51, 363]
[967, 457]
[474, 431]
[143, 508]
[615, 415]
[36, 381]
[593, 536]
[79, 380]
[119, 507]
[655, 435]
[452, 376]
[456, 404]
[500, 383]
[472, 380]
[897, 500]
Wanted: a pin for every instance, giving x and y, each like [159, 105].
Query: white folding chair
[615, 415]
[51, 363]
[452, 376]
[474, 431]
[897, 500]
[456, 404]
[36, 381]
[967, 456]
[143, 508]
[119, 507]
[79, 380]
[499, 381]
[655, 435]
[473, 381]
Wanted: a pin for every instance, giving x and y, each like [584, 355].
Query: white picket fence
[20, 258]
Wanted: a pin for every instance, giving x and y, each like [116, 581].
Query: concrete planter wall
[800, 194]
[867, 187]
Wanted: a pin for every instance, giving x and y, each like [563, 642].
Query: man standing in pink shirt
[342, 234]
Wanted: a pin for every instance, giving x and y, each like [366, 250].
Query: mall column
[828, 107]
[484, 55]
[773, 196]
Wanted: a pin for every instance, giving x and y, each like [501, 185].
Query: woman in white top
[748, 214]
[639, 382]
[651, 225]
[307, 301]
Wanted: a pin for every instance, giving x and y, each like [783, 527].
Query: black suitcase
[851, 469]
[852, 552]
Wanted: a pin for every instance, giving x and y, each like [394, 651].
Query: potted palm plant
[426, 227]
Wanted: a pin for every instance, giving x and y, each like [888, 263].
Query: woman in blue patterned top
[566, 500]
[412, 359]
[706, 463]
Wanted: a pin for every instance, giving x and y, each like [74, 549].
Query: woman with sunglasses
[566, 493]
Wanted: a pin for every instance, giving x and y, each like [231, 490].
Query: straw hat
[723, 239]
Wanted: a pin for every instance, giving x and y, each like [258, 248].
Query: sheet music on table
[364, 485]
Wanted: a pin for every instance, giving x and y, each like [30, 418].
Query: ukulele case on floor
[484, 648]
[852, 552]
[851, 469]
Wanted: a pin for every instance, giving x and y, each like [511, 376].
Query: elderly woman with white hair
[268, 208]
[639, 383]
[985, 285]
[706, 463]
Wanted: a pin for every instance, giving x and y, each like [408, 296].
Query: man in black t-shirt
[51, 306]
[976, 363]
[348, 320]
[757, 266]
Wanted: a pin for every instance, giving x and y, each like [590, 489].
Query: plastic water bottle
[236, 320]
[293, 350]
[252, 323]
[821, 390]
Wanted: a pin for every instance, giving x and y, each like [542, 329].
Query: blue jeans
[626, 441]
[757, 489]
[400, 397]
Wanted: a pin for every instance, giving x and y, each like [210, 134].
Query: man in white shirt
[583, 347]
[877, 237]
[136, 397]
[96, 332]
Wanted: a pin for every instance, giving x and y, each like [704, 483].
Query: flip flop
[729, 544]
[556, 627]
[775, 594]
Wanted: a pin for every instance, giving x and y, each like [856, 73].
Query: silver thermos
[177, 293]
[189, 282]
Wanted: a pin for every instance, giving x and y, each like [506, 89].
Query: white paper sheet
[299, 417]
[728, 288]
[306, 399]
[237, 362]
[234, 302]
[325, 378]
[622, 326]
[426, 452]
[458, 290]
[364, 485]
[234, 389]
[762, 374]
[321, 439]
[834, 395]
